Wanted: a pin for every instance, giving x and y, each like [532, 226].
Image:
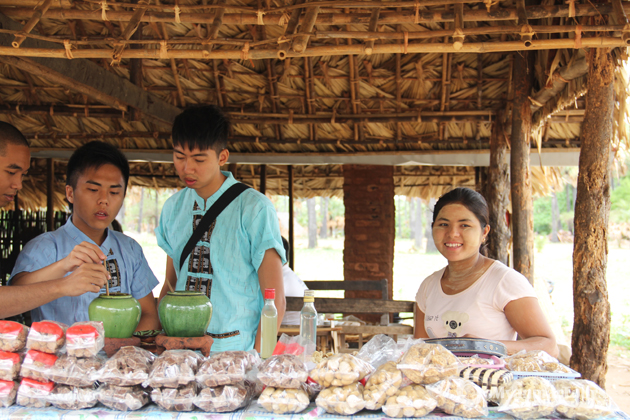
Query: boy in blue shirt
[240, 255]
[96, 183]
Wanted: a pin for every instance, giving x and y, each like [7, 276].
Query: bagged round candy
[85, 339]
[582, 399]
[46, 336]
[529, 398]
[428, 363]
[410, 401]
[284, 400]
[33, 393]
[382, 384]
[10, 364]
[345, 400]
[340, 370]
[459, 397]
[37, 365]
[8, 391]
[283, 371]
[12, 336]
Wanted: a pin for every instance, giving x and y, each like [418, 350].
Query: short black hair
[94, 155]
[10, 135]
[201, 127]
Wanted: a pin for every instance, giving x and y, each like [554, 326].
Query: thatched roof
[333, 77]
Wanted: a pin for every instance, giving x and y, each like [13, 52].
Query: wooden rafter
[34, 20]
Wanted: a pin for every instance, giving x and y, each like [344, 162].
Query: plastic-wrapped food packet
[345, 400]
[85, 339]
[535, 361]
[225, 368]
[81, 372]
[175, 399]
[428, 363]
[528, 398]
[8, 391]
[582, 399]
[459, 397]
[283, 371]
[340, 370]
[123, 398]
[10, 364]
[33, 393]
[128, 367]
[37, 365]
[174, 368]
[283, 400]
[410, 401]
[12, 336]
[225, 398]
[73, 398]
[382, 384]
[380, 350]
[46, 336]
[490, 381]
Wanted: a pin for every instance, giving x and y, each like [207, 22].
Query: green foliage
[620, 202]
[539, 242]
[620, 336]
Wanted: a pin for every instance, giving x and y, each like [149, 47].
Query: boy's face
[200, 170]
[13, 166]
[96, 199]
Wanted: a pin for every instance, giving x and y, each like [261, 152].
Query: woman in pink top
[476, 296]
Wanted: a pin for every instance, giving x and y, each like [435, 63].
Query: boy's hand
[84, 253]
[87, 278]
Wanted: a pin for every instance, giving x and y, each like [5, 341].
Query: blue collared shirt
[125, 260]
[224, 264]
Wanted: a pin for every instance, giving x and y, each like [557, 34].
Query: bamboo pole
[272, 18]
[458, 34]
[34, 20]
[559, 80]
[300, 42]
[131, 28]
[294, 20]
[372, 28]
[621, 18]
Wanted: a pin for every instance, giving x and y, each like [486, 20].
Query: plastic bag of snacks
[37, 365]
[85, 339]
[382, 384]
[175, 399]
[490, 380]
[33, 393]
[73, 398]
[582, 399]
[284, 401]
[535, 361]
[283, 371]
[529, 398]
[10, 364]
[123, 398]
[174, 368]
[340, 370]
[459, 397]
[12, 336]
[225, 368]
[128, 367]
[410, 401]
[225, 398]
[345, 400]
[82, 372]
[379, 350]
[428, 363]
[8, 391]
[46, 336]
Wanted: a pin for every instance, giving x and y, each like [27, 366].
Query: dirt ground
[618, 377]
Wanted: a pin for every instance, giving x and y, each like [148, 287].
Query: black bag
[213, 212]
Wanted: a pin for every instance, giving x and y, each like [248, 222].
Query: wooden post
[50, 204]
[591, 313]
[263, 179]
[291, 227]
[520, 179]
[498, 193]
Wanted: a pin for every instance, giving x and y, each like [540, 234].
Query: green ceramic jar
[119, 313]
[185, 314]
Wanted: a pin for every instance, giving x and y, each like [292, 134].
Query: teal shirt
[224, 264]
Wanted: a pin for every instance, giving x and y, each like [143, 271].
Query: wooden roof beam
[131, 28]
[88, 78]
[34, 20]
[559, 80]
[373, 26]
[300, 42]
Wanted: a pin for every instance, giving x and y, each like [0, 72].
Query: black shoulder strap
[213, 212]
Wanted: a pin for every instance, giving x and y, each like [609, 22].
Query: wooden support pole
[520, 175]
[373, 26]
[50, 194]
[291, 255]
[294, 20]
[300, 42]
[263, 179]
[131, 28]
[34, 20]
[458, 33]
[498, 193]
[591, 313]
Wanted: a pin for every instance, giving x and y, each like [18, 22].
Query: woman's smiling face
[457, 233]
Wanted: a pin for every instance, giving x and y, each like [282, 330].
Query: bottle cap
[270, 293]
[309, 296]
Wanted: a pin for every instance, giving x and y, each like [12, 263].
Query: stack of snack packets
[12, 340]
[172, 378]
[226, 381]
[285, 375]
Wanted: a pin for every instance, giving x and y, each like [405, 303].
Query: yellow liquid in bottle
[268, 333]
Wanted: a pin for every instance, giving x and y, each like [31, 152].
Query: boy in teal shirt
[240, 255]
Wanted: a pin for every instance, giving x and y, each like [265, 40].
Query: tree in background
[323, 205]
[312, 223]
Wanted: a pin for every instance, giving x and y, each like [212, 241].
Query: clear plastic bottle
[268, 325]
[308, 318]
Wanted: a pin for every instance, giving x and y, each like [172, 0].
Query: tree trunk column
[591, 319]
[368, 193]
[498, 191]
[520, 180]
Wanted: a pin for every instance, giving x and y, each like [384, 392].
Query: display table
[253, 412]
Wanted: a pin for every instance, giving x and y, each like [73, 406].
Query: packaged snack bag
[12, 336]
[34, 394]
[10, 364]
[46, 336]
[85, 339]
[37, 365]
